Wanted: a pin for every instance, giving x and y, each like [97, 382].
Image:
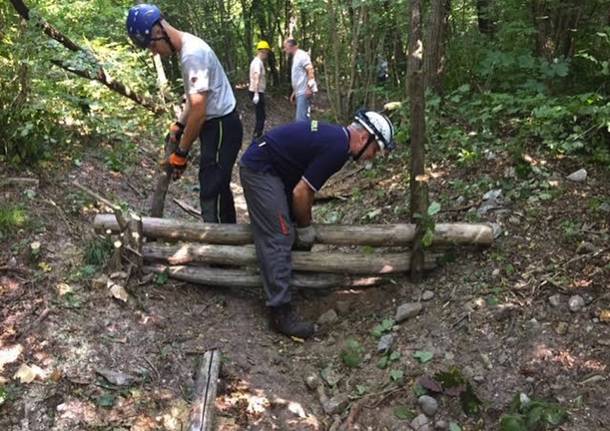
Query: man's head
[263, 49]
[370, 133]
[290, 46]
[147, 29]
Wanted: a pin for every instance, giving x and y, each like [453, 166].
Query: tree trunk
[333, 262]
[556, 27]
[223, 277]
[436, 38]
[418, 180]
[238, 234]
[485, 19]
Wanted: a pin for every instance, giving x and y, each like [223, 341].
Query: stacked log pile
[224, 255]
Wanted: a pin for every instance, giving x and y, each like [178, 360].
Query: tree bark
[418, 180]
[436, 38]
[332, 262]
[239, 234]
[101, 76]
[223, 277]
[485, 19]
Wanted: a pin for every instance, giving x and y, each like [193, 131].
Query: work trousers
[303, 108]
[273, 232]
[220, 142]
[259, 111]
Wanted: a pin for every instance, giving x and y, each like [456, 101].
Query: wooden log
[335, 262]
[203, 410]
[372, 235]
[222, 277]
[164, 178]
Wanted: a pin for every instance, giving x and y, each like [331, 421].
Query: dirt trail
[157, 336]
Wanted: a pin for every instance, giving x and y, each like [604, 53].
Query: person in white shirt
[303, 79]
[257, 86]
[210, 113]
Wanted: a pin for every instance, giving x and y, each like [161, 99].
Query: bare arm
[302, 201]
[193, 118]
[310, 72]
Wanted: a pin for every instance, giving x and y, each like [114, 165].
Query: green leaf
[397, 375]
[555, 414]
[423, 356]
[387, 324]
[403, 413]
[428, 238]
[454, 427]
[3, 395]
[394, 356]
[434, 208]
[383, 362]
[361, 389]
[512, 423]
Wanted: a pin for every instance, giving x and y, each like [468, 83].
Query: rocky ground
[528, 317]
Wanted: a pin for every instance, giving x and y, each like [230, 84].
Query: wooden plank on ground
[203, 408]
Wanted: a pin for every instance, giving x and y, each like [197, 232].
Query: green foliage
[352, 353]
[532, 415]
[98, 250]
[423, 356]
[387, 359]
[403, 413]
[383, 328]
[12, 218]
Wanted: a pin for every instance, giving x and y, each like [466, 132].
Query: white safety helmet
[379, 126]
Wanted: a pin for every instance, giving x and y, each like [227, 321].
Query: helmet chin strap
[166, 38]
[363, 149]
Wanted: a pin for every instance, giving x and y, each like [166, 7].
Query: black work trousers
[259, 110]
[220, 142]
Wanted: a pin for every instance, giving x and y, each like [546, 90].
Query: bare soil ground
[490, 315]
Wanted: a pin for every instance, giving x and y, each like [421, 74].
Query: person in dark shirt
[280, 173]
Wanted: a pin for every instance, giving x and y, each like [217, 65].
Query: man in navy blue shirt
[280, 174]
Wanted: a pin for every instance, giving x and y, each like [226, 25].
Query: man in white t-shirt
[303, 79]
[257, 86]
[209, 114]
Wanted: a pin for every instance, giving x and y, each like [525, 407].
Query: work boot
[285, 320]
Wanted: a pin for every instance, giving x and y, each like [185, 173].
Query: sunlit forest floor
[488, 313]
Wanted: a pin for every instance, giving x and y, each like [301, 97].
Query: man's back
[306, 150]
[202, 72]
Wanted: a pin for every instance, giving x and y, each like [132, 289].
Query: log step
[369, 235]
[333, 262]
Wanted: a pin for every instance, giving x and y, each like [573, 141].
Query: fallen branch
[192, 211]
[101, 74]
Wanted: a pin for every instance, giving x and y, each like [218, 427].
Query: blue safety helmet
[140, 21]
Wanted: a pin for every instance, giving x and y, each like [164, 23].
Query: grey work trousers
[273, 232]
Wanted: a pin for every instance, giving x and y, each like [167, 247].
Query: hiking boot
[285, 320]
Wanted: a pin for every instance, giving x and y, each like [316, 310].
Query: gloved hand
[175, 132]
[304, 238]
[255, 98]
[313, 85]
[178, 161]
